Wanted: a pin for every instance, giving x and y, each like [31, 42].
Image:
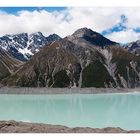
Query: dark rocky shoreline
[25, 127]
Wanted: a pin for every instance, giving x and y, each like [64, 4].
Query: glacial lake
[74, 110]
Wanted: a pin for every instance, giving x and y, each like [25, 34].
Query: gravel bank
[24, 90]
[23, 127]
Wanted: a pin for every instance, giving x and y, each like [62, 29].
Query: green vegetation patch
[95, 75]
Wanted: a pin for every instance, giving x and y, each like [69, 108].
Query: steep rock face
[133, 47]
[108, 66]
[8, 64]
[23, 46]
[76, 61]
[53, 66]
[113, 69]
[14, 44]
[87, 47]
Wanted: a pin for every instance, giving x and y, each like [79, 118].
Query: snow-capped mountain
[23, 46]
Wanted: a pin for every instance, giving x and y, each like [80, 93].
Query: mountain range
[23, 46]
[83, 59]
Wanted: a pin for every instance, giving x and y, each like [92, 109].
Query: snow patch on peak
[26, 53]
[24, 45]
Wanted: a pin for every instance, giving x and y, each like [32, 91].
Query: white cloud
[64, 22]
[133, 15]
[67, 21]
[29, 22]
[124, 36]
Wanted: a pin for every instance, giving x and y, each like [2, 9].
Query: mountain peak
[37, 34]
[54, 37]
[84, 31]
[89, 36]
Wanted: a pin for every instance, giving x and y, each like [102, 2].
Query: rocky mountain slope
[133, 47]
[88, 37]
[84, 59]
[23, 46]
[8, 64]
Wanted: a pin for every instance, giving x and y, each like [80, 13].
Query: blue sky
[118, 27]
[118, 24]
[14, 10]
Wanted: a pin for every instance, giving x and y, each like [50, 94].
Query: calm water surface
[84, 110]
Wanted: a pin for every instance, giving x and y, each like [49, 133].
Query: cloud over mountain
[65, 22]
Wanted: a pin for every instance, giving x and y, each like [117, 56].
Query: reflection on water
[100, 110]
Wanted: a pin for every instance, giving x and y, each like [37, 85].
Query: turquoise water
[84, 110]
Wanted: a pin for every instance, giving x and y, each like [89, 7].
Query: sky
[120, 24]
